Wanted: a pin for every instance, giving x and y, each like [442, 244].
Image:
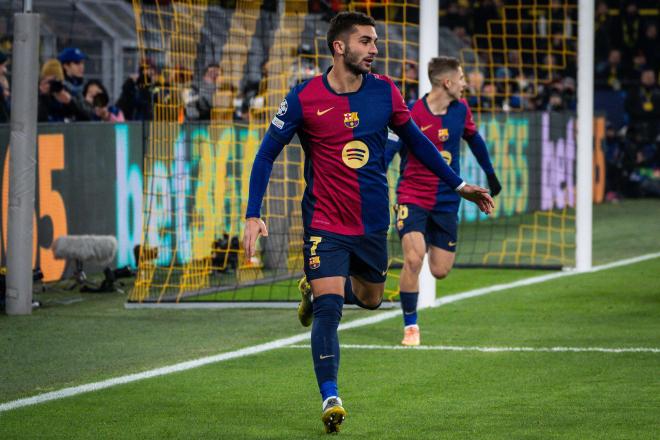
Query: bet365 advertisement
[90, 178]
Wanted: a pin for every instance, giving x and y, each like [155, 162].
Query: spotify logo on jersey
[355, 154]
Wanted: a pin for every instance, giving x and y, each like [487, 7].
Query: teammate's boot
[305, 311]
[410, 335]
[333, 414]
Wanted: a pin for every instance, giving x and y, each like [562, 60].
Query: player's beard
[352, 62]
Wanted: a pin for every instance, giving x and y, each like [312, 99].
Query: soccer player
[341, 119]
[427, 208]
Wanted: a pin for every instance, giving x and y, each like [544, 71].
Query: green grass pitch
[389, 394]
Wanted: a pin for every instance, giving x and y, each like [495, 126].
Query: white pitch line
[498, 349]
[279, 343]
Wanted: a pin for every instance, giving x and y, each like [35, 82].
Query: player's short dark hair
[343, 23]
[438, 66]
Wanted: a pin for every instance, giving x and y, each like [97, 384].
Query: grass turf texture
[273, 395]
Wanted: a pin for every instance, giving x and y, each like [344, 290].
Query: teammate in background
[341, 119]
[427, 208]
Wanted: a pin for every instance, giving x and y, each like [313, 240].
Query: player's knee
[440, 272]
[413, 263]
[372, 303]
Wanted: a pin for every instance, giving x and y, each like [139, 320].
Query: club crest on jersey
[443, 134]
[351, 120]
[314, 262]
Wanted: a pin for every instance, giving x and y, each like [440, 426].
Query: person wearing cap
[55, 103]
[73, 63]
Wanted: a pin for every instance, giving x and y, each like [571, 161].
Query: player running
[341, 119]
[427, 208]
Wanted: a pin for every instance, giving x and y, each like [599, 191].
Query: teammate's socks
[409, 307]
[325, 342]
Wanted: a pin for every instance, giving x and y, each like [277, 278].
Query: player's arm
[480, 151]
[428, 154]
[280, 132]
[261, 168]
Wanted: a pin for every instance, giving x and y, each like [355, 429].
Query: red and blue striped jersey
[417, 184]
[343, 137]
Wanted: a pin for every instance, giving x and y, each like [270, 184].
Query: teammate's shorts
[440, 229]
[330, 255]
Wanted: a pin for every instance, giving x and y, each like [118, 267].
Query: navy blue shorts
[330, 255]
[440, 229]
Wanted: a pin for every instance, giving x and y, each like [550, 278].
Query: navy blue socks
[409, 307]
[325, 342]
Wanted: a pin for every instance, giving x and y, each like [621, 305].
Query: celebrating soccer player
[427, 209]
[341, 119]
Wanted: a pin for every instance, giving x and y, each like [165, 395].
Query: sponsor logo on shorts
[451, 244]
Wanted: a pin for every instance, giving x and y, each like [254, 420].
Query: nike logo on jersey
[326, 356]
[321, 113]
[383, 273]
[426, 127]
[451, 243]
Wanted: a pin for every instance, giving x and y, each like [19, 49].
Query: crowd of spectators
[536, 73]
[627, 64]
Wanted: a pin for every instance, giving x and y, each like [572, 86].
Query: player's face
[456, 84]
[360, 49]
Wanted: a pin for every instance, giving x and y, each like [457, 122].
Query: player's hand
[494, 184]
[479, 196]
[254, 227]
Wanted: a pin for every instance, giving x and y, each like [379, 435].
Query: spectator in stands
[139, 93]
[475, 80]
[609, 75]
[634, 71]
[489, 98]
[73, 63]
[105, 112]
[650, 46]
[5, 92]
[604, 31]
[55, 103]
[614, 149]
[96, 95]
[630, 28]
[643, 107]
[199, 98]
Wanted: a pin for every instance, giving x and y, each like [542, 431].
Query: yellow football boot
[333, 414]
[305, 311]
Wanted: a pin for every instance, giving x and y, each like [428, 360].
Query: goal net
[219, 71]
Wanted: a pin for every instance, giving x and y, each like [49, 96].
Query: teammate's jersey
[343, 136]
[417, 184]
